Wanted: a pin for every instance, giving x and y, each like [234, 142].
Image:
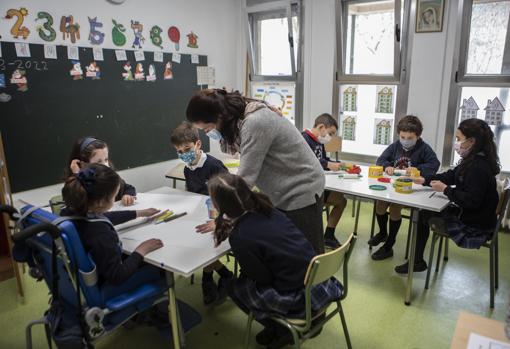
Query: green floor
[376, 314]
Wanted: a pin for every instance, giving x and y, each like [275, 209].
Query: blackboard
[135, 118]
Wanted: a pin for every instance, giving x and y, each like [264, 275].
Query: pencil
[171, 218]
[434, 193]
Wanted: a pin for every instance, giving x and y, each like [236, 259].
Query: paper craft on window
[152, 74]
[384, 100]
[168, 74]
[118, 37]
[95, 36]
[350, 99]
[69, 29]
[93, 71]
[137, 31]
[128, 74]
[76, 71]
[18, 29]
[469, 109]
[156, 36]
[382, 132]
[349, 128]
[46, 31]
[494, 112]
[19, 78]
[139, 73]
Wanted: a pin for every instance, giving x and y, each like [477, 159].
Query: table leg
[412, 252]
[356, 220]
[173, 311]
[174, 183]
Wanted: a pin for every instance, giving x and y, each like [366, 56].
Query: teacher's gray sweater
[276, 158]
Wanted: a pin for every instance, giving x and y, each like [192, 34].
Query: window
[370, 85]
[481, 85]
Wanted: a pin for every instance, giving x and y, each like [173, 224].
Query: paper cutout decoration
[156, 36]
[46, 31]
[118, 37]
[350, 99]
[22, 49]
[19, 78]
[206, 76]
[76, 72]
[97, 52]
[192, 40]
[349, 128]
[139, 73]
[382, 131]
[4, 97]
[128, 74]
[137, 30]
[50, 51]
[69, 29]
[469, 109]
[152, 74]
[121, 55]
[139, 56]
[176, 57]
[158, 56]
[194, 59]
[73, 53]
[175, 36]
[168, 74]
[95, 36]
[93, 71]
[494, 112]
[384, 99]
[2, 80]
[18, 29]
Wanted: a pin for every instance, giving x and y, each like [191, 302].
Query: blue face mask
[188, 157]
[214, 134]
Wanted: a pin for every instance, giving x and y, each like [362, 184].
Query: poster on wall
[279, 94]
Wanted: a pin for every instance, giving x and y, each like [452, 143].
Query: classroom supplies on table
[404, 185]
[350, 176]
[163, 217]
[377, 187]
[400, 172]
[414, 172]
[375, 171]
[384, 180]
[175, 216]
[351, 168]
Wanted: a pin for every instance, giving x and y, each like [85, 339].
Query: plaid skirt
[265, 301]
[463, 235]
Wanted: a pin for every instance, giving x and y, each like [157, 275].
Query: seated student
[90, 193]
[409, 151]
[90, 150]
[324, 128]
[273, 255]
[471, 188]
[200, 167]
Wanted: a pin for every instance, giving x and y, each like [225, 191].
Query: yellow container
[404, 185]
[375, 171]
[414, 172]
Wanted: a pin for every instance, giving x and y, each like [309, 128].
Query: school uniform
[125, 189]
[198, 175]
[274, 256]
[318, 148]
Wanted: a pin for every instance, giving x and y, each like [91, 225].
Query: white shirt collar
[200, 163]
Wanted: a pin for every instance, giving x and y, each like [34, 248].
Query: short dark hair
[184, 133]
[326, 120]
[410, 123]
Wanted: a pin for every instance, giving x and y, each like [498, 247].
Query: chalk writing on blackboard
[19, 64]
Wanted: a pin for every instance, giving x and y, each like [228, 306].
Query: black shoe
[377, 239]
[222, 286]
[209, 292]
[265, 336]
[281, 339]
[332, 242]
[418, 267]
[382, 253]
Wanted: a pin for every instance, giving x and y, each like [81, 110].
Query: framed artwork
[429, 16]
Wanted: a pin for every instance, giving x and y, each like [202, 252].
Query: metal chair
[438, 228]
[320, 269]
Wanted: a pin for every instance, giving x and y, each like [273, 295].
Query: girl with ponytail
[272, 253]
[470, 187]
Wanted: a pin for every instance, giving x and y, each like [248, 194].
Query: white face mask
[324, 139]
[214, 134]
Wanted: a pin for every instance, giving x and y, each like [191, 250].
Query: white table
[420, 199]
[184, 251]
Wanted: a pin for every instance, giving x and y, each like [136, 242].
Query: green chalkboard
[135, 118]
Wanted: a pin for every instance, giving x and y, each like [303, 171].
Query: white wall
[217, 23]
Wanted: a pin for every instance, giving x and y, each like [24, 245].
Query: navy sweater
[420, 156]
[125, 189]
[196, 180]
[475, 192]
[318, 148]
[271, 250]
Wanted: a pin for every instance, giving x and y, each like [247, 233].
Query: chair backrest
[56, 204]
[504, 198]
[324, 266]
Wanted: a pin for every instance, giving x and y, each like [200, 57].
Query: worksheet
[481, 342]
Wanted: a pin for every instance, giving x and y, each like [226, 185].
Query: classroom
[255, 174]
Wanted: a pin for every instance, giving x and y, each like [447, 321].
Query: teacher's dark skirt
[309, 220]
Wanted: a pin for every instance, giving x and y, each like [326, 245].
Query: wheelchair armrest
[35, 229]
[11, 211]
[140, 294]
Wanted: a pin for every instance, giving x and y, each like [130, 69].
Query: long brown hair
[483, 136]
[232, 197]
[83, 150]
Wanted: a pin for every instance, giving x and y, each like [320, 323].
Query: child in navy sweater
[200, 167]
[324, 128]
[408, 152]
[273, 255]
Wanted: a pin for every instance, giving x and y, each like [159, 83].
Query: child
[200, 167]
[324, 128]
[470, 186]
[273, 255]
[409, 151]
[90, 150]
[90, 193]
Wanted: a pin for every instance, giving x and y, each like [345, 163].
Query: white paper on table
[120, 55]
[22, 49]
[158, 56]
[477, 341]
[194, 59]
[73, 53]
[139, 56]
[50, 51]
[98, 54]
[176, 57]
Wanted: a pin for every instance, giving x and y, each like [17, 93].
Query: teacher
[274, 155]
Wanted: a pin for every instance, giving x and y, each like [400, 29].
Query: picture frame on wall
[429, 16]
